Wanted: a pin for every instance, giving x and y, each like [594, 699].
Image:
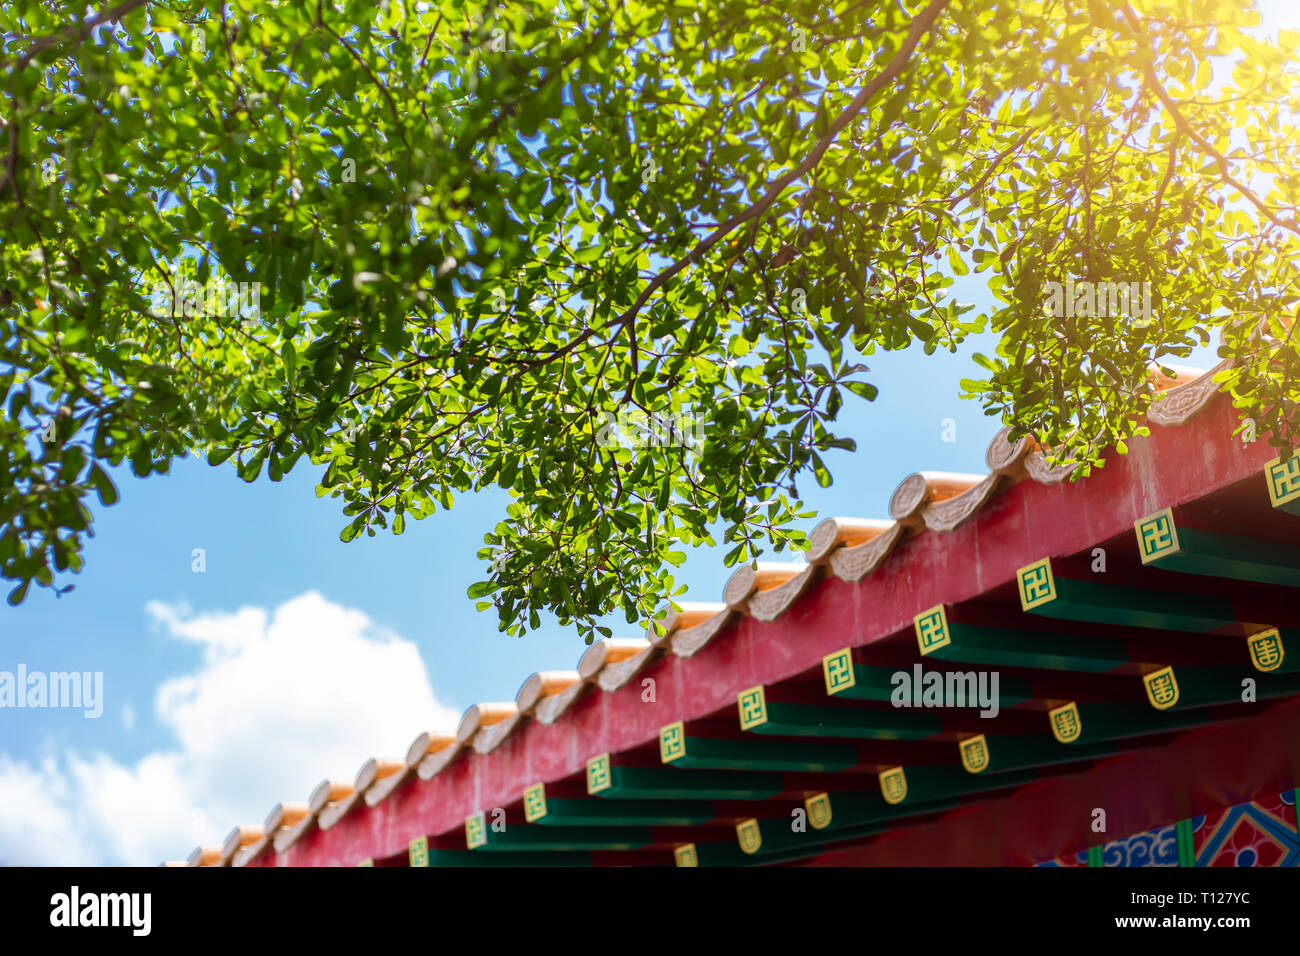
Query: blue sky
[295, 656]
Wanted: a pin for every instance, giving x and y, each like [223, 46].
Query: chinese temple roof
[1120, 613]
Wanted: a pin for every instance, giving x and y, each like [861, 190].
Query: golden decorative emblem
[418, 852]
[598, 775]
[893, 785]
[837, 668]
[1266, 650]
[476, 830]
[1157, 536]
[1162, 688]
[672, 742]
[932, 629]
[819, 810]
[1037, 584]
[1283, 480]
[749, 835]
[1066, 724]
[753, 707]
[975, 754]
[535, 802]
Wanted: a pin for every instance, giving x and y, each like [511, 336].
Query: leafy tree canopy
[479, 233]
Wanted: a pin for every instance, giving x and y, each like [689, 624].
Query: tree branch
[1181, 123]
[920, 26]
[76, 31]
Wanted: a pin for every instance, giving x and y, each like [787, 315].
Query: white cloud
[36, 825]
[279, 701]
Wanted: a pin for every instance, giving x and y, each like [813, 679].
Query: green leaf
[103, 486]
[290, 358]
[482, 588]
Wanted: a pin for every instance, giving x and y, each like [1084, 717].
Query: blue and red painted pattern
[1261, 832]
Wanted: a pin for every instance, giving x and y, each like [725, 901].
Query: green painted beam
[1183, 688]
[849, 681]
[839, 811]
[1092, 722]
[937, 637]
[666, 783]
[929, 784]
[678, 749]
[1078, 599]
[532, 839]
[730, 854]
[1164, 544]
[710, 854]
[1186, 843]
[476, 858]
[761, 839]
[625, 813]
[420, 855]
[759, 716]
[983, 755]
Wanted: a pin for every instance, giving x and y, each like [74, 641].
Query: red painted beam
[1019, 525]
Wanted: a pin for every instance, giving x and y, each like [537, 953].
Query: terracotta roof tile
[549, 709]
[290, 834]
[842, 533]
[1177, 405]
[767, 604]
[689, 642]
[285, 815]
[282, 816]
[489, 737]
[691, 614]
[484, 726]
[388, 776]
[205, 856]
[1038, 468]
[248, 854]
[609, 651]
[429, 766]
[428, 742]
[620, 667]
[376, 769]
[917, 492]
[327, 792]
[335, 812]
[339, 799]
[759, 576]
[1006, 457]
[238, 839]
[856, 562]
[541, 685]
